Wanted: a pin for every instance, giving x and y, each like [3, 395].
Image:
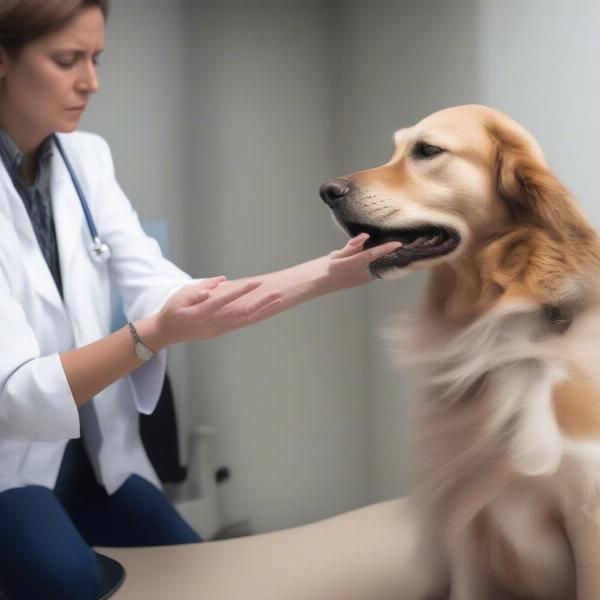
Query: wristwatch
[142, 351]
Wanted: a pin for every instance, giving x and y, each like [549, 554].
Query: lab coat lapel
[68, 219]
[73, 239]
[41, 278]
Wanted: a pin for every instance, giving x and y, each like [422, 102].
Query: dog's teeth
[420, 241]
[435, 240]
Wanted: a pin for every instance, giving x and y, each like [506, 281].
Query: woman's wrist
[149, 331]
[320, 279]
[309, 280]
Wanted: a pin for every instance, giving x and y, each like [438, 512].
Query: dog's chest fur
[491, 460]
[522, 539]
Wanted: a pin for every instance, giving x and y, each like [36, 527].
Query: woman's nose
[88, 80]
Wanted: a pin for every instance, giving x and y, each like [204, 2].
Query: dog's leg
[583, 529]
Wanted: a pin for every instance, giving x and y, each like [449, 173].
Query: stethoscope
[99, 250]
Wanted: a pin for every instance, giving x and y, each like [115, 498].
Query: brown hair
[23, 21]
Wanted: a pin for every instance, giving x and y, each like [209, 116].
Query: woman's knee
[69, 575]
[53, 576]
[138, 514]
[42, 555]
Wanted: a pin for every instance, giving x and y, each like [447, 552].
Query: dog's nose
[334, 191]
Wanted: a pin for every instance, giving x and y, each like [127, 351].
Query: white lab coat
[37, 412]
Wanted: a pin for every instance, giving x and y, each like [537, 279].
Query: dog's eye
[425, 150]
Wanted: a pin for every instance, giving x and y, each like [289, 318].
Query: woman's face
[46, 88]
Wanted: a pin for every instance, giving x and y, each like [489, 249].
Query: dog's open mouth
[427, 241]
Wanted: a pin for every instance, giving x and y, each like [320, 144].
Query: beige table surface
[358, 555]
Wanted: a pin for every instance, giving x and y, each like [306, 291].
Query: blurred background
[225, 116]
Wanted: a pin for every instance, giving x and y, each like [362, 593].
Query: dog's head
[458, 181]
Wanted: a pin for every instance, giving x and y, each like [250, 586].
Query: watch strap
[142, 351]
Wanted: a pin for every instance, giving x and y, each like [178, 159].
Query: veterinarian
[73, 472]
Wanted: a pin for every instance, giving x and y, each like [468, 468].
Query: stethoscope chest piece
[100, 251]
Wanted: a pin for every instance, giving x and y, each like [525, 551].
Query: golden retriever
[506, 431]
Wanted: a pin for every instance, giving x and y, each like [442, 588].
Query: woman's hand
[214, 307]
[209, 309]
[349, 266]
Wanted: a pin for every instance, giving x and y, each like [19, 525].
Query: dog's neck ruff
[486, 401]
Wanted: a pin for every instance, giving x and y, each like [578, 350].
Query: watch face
[143, 352]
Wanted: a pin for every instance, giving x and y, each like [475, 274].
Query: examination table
[352, 556]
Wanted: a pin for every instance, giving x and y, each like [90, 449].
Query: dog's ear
[534, 195]
[551, 241]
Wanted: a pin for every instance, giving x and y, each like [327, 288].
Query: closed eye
[68, 60]
[424, 150]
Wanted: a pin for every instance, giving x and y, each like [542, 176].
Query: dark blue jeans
[45, 535]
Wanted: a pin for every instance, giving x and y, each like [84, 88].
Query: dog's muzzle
[420, 241]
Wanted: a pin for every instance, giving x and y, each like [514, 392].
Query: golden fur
[507, 423]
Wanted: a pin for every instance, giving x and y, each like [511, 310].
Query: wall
[403, 60]
[540, 63]
[286, 395]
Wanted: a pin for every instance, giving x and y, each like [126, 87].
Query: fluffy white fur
[504, 365]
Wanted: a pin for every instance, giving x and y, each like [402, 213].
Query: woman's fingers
[220, 298]
[359, 239]
[243, 313]
[378, 251]
[367, 256]
[199, 292]
[266, 311]
[353, 246]
[266, 307]
[197, 297]
[213, 282]
[262, 302]
[223, 314]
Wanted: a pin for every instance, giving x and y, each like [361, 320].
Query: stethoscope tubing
[100, 250]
